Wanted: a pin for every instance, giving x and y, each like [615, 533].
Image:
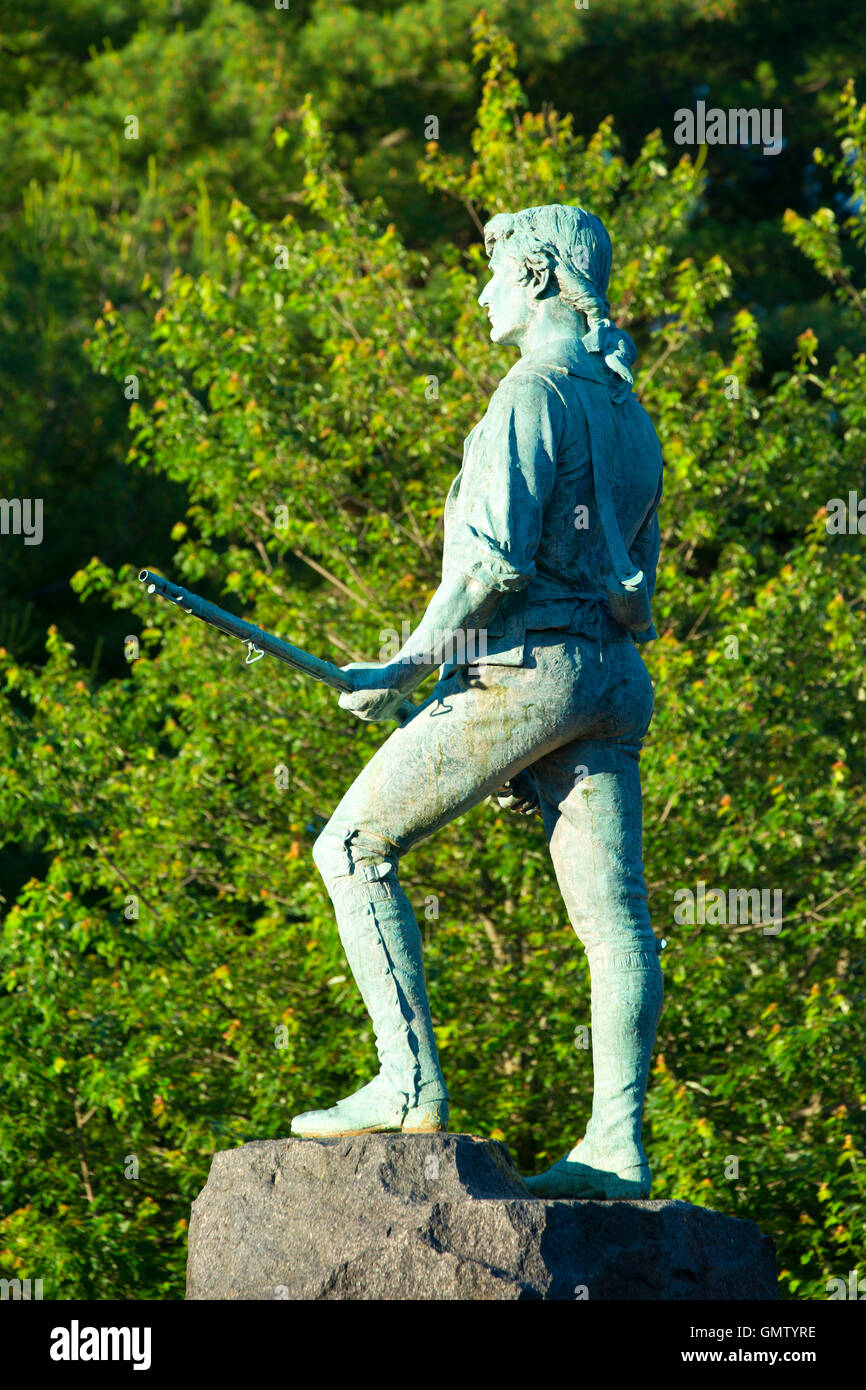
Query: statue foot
[592, 1178]
[377, 1107]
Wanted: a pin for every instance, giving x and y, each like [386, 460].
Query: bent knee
[341, 853]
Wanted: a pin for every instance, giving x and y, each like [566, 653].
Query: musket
[258, 642]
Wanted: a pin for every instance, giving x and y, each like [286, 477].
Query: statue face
[510, 304]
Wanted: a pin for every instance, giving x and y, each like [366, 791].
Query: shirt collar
[561, 355]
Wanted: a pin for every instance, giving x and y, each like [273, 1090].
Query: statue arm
[492, 534]
[491, 543]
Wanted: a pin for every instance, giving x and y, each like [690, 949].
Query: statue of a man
[563, 472]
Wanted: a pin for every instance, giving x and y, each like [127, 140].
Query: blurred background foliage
[286, 263]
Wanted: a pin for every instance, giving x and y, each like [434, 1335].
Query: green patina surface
[563, 695]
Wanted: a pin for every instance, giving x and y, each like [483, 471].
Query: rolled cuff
[487, 565]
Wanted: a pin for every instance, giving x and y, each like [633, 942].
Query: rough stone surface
[447, 1216]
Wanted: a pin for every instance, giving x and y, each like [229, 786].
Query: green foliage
[173, 982]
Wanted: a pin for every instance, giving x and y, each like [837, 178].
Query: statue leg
[590, 795]
[447, 758]
[382, 942]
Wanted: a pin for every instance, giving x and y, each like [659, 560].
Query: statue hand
[519, 795]
[374, 696]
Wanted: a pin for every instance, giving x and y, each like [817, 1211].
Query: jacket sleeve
[507, 481]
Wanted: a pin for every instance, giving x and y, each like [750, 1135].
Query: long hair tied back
[574, 246]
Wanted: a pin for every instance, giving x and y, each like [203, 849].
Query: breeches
[576, 722]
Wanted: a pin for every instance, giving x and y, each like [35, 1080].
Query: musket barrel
[325, 671]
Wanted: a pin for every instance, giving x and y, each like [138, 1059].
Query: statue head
[550, 270]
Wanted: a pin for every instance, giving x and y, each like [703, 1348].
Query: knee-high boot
[383, 947]
[627, 993]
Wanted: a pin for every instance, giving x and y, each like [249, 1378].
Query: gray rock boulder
[447, 1216]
